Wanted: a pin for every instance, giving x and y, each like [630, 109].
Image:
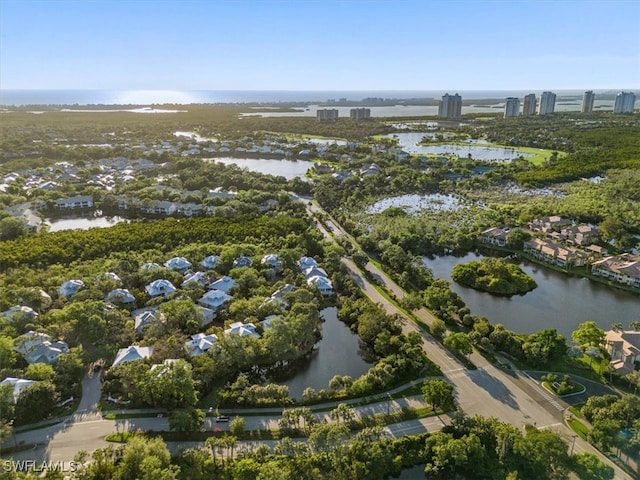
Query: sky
[319, 44]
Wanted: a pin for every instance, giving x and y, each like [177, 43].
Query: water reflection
[288, 169]
[560, 301]
[337, 354]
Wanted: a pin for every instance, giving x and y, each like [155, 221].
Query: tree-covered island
[493, 275]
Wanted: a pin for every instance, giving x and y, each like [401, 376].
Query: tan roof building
[624, 348]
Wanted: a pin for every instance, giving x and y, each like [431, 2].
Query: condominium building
[587, 101]
[547, 103]
[360, 113]
[450, 106]
[529, 107]
[625, 102]
[327, 115]
[512, 107]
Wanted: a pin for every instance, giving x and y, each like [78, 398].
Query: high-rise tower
[512, 107]
[529, 107]
[450, 106]
[587, 101]
[625, 102]
[547, 103]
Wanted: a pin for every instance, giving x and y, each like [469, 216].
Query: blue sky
[319, 45]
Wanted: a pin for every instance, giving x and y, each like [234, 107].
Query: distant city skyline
[318, 45]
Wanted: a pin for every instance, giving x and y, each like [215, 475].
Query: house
[221, 194]
[224, 284]
[83, 201]
[160, 287]
[207, 315]
[306, 262]
[268, 321]
[322, 283]
[196, 278]
[554, 223]
[178, 264]
[131, 354]
[272, 261]
[623, 269]
[17, 385]
[158, 208]
[581, 234]
[120, 296]
[38, 347]
[190, 209]
[278, 295]
[495, 236]
[315, 272]
[242, 329]
[23, 311]
[200, 343]
[551, 252]
[210, 262]
[242, 262]
[69, 288]
[144, 318]
[214, 299]
[149, 266]
[624, 348]
[113, 276]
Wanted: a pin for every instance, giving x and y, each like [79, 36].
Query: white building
[587, 101]
[450, 106]
[625, 102]
[547, 103]
[512, 107]
[529, 106]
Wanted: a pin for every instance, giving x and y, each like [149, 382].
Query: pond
[288, 169]
[81, 223]
[409, 142]
[413, 203]
[560, 301]
[337, 354]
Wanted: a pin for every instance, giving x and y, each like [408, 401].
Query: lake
[413, 203]
[560, 301]
[337, 355]
[288, 169]
[81, 223]
[409, 142]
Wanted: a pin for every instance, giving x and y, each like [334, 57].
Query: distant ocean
[161, 97]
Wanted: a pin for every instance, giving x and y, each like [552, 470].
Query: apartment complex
[529, 107]
[450, 106]
[512, 107]
[547, 103]
[327, 115]
[625, 102]
[360, 113]
[587, 101]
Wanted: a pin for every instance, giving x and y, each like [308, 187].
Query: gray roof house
[200, 343]
[224, 284]
[27, 312]
[38, 347]
[178, 264]
[210, 262]
[17, 384]
[120, 296]
[242, 329]
[69, 288]
[131, 354]
[160, 287]
[214, 299]
[196, 278]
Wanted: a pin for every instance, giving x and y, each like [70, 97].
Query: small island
[493, 275]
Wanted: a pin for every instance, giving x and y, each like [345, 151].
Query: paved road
[512, 397]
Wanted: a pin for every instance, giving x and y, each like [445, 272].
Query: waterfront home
[156, 207]
[624, 269]
[131, 354]
[70, 288]
[190, 209]
[38, 348]
[17, 385]
[242, 329]
[200, 343]
[495, 236]
[82, 201]
[554, 253]
[322, 283]
[624, 349]
[160, 287]
[178, 264]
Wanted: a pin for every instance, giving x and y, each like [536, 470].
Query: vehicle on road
[222, 418]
